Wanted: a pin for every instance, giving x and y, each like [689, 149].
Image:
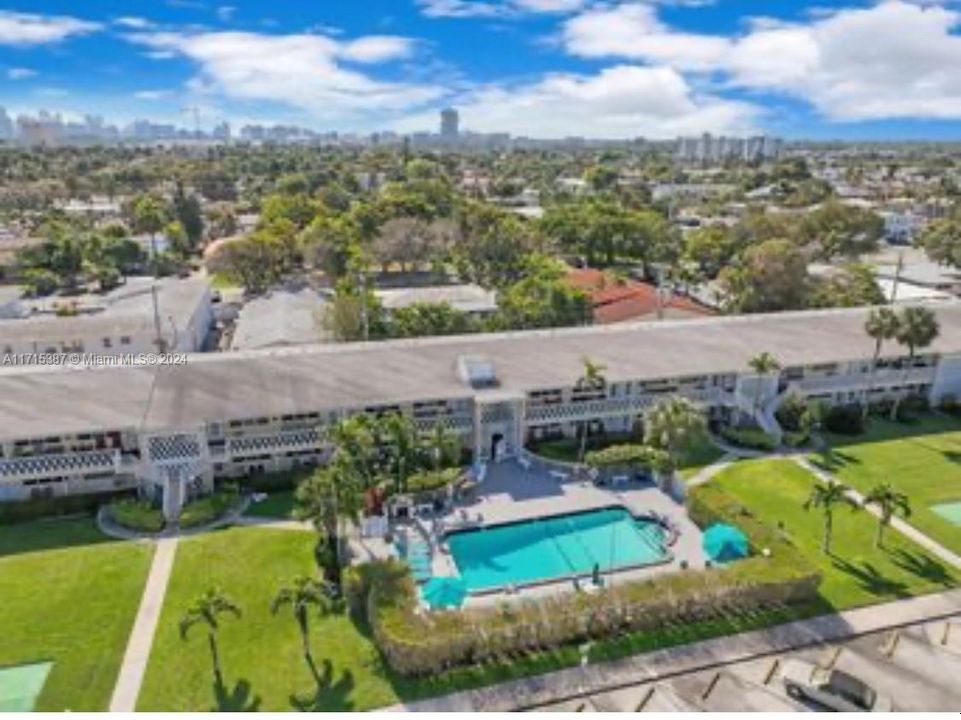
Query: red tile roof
[616, 300]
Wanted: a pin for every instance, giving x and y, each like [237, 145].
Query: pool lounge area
[539, 560]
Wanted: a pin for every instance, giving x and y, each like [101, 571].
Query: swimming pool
[554, 547]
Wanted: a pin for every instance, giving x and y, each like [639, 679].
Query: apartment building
[170, 431]
[125, 320]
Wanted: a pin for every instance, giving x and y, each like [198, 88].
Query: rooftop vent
[478, 372]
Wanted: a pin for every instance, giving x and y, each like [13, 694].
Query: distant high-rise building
[6, 125]
[449, 124]
[713, 149]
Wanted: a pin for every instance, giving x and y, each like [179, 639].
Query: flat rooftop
[246, 384]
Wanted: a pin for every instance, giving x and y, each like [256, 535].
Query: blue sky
[547, 68]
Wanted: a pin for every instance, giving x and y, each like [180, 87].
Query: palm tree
[443, 446]
[305, 592]
[763, 364]
[206, 610]
[882, 324]
[826, 495]
[330, 494]
[149, 216]
[671, 426]
[889, 502]
[917, 328]
[592, 379]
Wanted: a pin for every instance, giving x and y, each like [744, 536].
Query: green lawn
[698, 456]
[921, 459]
[857, 573]
[279, 505]
[262, 663]
[261, 657]
[69, 596]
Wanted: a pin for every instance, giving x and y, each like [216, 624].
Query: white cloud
[496, 8]
[634, 31]
[153, 94]
[305, 72]
[895, 59]
[26, 29]
[620, 101]
[133, 22]
[20, 73]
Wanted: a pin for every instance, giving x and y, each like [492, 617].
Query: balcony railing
[609, 408]
[281, 442]
[43, 466]
[882, 379]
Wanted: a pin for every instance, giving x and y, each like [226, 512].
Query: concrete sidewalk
[135, 658]
[563, 684]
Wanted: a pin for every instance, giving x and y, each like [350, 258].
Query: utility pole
[159, 341]
[899, 268]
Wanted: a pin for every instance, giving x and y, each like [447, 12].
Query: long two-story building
[169, 431]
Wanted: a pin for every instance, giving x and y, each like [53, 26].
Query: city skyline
[537, 68]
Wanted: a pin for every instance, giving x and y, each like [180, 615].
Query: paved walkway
[115, 530]
[573, 682]
[272, 523]
[898, 524]
[706, 473]
[135, 658]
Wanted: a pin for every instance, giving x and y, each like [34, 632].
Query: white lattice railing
[42, 466]
[455, 423]
[882, 379]
[608, 408]
[281, 442]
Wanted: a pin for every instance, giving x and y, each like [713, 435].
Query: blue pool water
[559, 546]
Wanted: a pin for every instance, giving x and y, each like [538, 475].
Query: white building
[126, 320]
[169, 431]
[468, 298]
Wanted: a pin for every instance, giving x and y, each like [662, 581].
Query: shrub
[207, 509]
[753, 438]
[273, 482]
[911, 407]
[791, 414]
[844, 420]
[432, 480]
[796, 439]
[52, 506]
[949, 404]
[416, 643]
[137, 515]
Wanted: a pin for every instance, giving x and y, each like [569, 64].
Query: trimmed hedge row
[752, 438]
[19, 511]
[418, 643]
[137, 515]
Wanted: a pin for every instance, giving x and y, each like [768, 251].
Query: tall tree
[882, 324]
[917, 328]
[301, 596]
[826, 496]
[762, 365]
[888, 501]
[207, 610]
[149, 216]
[591, 381]
[672, 425]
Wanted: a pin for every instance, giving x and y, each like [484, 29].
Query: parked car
[833, 689]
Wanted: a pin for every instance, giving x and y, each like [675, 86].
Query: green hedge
[796, 439]
[272, 482]
[45, 507]
[417, 643]
[137, 515]
[432, 480]
[752, 438]
[207, 509]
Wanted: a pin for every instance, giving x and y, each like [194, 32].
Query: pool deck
[510, 493]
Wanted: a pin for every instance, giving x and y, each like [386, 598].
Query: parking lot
[918, 667]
